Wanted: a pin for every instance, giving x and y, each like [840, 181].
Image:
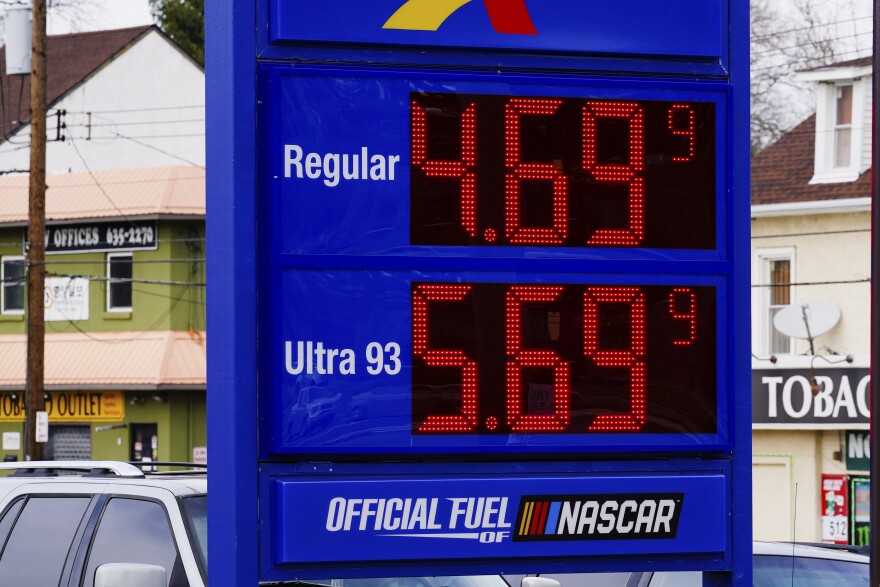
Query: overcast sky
[100, 15]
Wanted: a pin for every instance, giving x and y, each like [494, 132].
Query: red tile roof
[71, 59]
[142, 191]
[148, 359]
[781, 173]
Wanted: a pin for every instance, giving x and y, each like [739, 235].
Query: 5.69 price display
[497, 358]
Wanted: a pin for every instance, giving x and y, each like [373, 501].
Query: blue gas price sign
[483, 264]
[494, 254]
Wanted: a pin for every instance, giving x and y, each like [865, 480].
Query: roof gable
[71, 59]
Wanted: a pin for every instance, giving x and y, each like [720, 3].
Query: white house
[123, 98]
[811, 242]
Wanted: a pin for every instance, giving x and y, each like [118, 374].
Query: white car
[102, 524]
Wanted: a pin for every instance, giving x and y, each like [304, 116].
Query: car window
[134, 531]
[799, 571]
[9, 519]
[677, 579]
[196, 511]
[40, 540]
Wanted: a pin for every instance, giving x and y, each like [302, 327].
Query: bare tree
[64, 15]
[809, 34]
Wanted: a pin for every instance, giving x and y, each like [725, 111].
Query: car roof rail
[183, 468]
[88, 468]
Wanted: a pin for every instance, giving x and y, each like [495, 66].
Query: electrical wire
[126, 110]
[135, 123]
[127, 279]
[133, 261]
[98, 184]
[830, 232]
[163, 151]
[808, 28]
[804, 283]
[811, 44]
[806, 61]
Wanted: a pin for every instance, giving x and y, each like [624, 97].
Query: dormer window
[843, 126]
[843, 120]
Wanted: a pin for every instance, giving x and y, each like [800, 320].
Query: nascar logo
[598, 517]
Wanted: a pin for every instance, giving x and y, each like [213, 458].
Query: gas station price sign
[478, 276]
[479, 264]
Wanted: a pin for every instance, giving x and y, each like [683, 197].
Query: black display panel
[501, 358]
[501, 170]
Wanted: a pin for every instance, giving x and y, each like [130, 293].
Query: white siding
[867, 115]
[147, 110]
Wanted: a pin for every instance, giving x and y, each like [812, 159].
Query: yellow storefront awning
[104, 360]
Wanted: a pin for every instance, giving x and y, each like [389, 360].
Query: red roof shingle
[781, 173]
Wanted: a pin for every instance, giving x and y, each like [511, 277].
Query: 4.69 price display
[497, 170]
[496, 358]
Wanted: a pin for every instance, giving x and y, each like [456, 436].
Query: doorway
[144, 445]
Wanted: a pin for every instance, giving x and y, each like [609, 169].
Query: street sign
[500, 288]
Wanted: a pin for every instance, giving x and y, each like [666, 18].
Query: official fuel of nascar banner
[479, 287]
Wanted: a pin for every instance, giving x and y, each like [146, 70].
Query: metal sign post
[478, 287]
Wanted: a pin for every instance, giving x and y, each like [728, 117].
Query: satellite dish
[807, 321]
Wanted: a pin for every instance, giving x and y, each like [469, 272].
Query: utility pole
[36, 252]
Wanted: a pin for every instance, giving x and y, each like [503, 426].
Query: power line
[98, 184]
[805, 61]
[125, 110]
[807, 28]
[808, 44]
[133, 261]
[163, 151]
[136, 123]
[829, 233]
[127, 279]
[841, 282]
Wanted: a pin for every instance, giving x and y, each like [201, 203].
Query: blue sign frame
[248, 535]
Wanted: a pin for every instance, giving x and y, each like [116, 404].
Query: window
[778, 296]
[773, 272]
[51, 523]
[843, 126]
[119, 282]
[13, 276]
[135, 531]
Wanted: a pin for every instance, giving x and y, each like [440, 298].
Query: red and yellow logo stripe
[508, 16]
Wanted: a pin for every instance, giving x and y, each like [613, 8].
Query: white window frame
[825, 170]
[112, 280]
[838, 127]
[3, 309]
[761, 296]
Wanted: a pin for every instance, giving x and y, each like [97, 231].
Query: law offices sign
[808, 392]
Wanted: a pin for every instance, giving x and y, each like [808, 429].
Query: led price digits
[499, 170]
[571, 359]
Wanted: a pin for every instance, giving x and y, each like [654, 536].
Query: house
[811, 243]
[125, 367]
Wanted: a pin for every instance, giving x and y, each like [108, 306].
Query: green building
[125, 314]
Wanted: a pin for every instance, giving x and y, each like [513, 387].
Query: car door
[141, 524]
